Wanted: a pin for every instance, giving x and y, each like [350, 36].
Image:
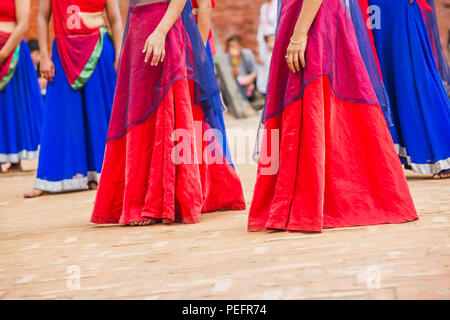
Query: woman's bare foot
[436, 176]
[166, 221]
[15, 167]
[93, 185]
[143, 223]
[34, 193]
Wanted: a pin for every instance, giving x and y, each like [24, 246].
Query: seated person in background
[263, 70]
[244, 66]
[33, 44]
[35, 51]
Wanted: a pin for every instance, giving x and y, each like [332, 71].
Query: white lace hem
[16, 157]
[76, 183]
[423, 168]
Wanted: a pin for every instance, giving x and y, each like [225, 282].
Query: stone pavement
[48, 250]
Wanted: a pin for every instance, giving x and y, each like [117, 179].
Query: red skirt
[337, 167]
[140, 180]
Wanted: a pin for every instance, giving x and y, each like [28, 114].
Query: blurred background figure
[264, 68]
[267, 25]
[244, 67]
[268, 16]
[21, 104]
[33, 44]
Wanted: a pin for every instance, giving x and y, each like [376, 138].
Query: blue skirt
[75, 126]
[21, 109]
[420, 105]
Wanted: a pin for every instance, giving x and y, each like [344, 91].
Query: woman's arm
[297, 47]
[204, 18]
[115, 20]
[47, 67]
[156, 41]
[22, 17]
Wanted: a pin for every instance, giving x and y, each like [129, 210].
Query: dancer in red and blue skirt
[327, 159]
[21, 104]
[165, 159]
[80, 92]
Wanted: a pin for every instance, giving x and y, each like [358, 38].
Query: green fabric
[90, 66]
[12, 69]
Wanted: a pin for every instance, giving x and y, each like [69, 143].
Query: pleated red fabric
[337, 167]
[140, 180]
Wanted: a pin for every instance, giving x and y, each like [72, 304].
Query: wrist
[299, 40]
[161, 31]
[300, 34]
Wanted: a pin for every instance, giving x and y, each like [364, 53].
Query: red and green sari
[9, 66]
[79, 46]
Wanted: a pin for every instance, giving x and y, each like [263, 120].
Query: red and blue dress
[79, 99]
[21, 104]
[327, 159]
[166, 156]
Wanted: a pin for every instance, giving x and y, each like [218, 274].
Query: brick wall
[237, 17]
[33, 19]
[241, 17]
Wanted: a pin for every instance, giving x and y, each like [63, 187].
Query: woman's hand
[155, 44]
[47, 69]
[295, 55]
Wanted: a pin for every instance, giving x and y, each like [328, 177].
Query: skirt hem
[17, 157]
[312, 228]
[67, 184]
[423, 168]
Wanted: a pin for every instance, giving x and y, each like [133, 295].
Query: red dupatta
[79, 47]
[9, 66]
